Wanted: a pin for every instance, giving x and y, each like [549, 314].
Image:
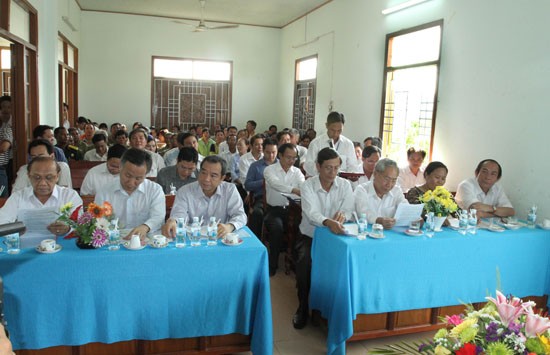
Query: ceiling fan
[201, 27]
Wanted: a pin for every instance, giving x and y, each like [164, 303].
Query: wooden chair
[3, 201]
[79, 169]
[87, 199]
[169, 203]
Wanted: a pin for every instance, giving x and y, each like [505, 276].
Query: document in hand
[407, 213]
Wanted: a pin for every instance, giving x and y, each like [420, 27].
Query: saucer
[228, 243]
[541, 226]
[413, 234]
[58, 247]
[375, 237]
[495, 228]
[513, 226]
[127, 246]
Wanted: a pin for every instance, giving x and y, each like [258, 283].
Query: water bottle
[195, 232]
[463, 222]
[212, 231]
[429, 226]
[362, 226]
[114, 239]
[181, 233]
[532, 217]
[472, 221]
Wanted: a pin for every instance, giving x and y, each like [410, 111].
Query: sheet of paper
[292, 197]
[37, 220]
[406, 213]
[351, 229]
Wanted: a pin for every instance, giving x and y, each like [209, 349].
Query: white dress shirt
[91, 155]
[225, 204]
[244, 164]
[223, 148]
[368, 202]
[469, 192]
[228, 157]
[158, 163]
[25, 199]
[277, 181]
[96, 179]
[362, 180]
[146, 205]
[407, 180]
[23, 181]
[302, 152]
[344, 147]
[318, 204]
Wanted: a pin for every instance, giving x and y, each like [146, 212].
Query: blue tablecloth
[351, 276]
[78, 296]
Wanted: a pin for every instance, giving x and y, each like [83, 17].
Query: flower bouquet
[90, 227]
[504, 326]
[439, 201]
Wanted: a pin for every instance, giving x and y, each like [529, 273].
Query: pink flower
[99, 238]
[508, 309]
[455, 319]
[535, 324]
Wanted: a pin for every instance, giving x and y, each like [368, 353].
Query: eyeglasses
[388, 179]
[329, 168]
[292, 158]
[37, 178]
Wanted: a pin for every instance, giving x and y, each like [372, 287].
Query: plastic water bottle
[181, 233]
[114, 239]
[532, 217]
[212, 231]
[362, 226]
[195, 232]
[429, 226]
[463, 222]
[472, 221]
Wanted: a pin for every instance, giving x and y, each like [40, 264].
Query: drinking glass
[12, 241]
[181, 233]
[414, 227]
[430, 224]
[377, 231]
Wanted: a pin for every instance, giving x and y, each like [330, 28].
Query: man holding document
[38, 205]
[379, 198]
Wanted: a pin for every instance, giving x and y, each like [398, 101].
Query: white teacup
[232, 238]
[159, 241]
[135, 242]
[546, 223]
[47, 245]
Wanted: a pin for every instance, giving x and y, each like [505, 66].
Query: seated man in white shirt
[327, 200]
[37, 148]
[102, 175]
[333, 138]
[281, 177]
[484, 193]
[99, 153]
[138, 140]
[210, 196]
[379, 198]
[256, 153]
[302, 151]
[138, 202]
[412, 175]
[43, 173]
[371, 155]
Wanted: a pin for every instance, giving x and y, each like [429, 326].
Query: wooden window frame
[387, 69]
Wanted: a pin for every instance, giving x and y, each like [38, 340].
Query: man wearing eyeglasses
[41, 148]
[379, 198]
[281, 177]
[43, 174]
[181, 173]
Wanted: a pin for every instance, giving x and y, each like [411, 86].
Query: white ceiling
[269, 13]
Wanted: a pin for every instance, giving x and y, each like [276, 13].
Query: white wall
[115, 65]
[493, 83]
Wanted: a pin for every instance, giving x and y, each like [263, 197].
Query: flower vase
[438, 223]
[83, 245]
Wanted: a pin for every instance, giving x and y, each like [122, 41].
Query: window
[189, 92]
[304, 93]
[410, 89]
[67, 57]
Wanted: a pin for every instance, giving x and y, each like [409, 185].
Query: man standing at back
[333, 138]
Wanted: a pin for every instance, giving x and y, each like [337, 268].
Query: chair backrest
[3, 201]
[169, 203]
[86, 199]
[79, 169]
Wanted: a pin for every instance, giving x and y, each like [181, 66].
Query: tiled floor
[310, 340]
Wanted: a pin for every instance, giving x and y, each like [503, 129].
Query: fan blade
[183, 23]
[222, 27]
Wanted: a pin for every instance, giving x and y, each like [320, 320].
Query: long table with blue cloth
[76, 296]
[352, 277]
